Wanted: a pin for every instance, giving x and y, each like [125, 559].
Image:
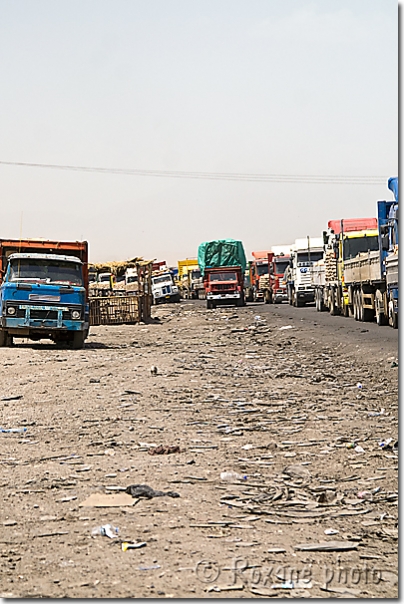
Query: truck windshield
[223, 277]
[163, 279]
[314, 256]
[280, 266]
[50, 271]
[357, 245]
[262, 269]
[196, 274]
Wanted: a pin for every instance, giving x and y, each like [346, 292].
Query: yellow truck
[189, 279]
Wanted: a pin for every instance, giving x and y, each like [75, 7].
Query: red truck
[257, 269]
[276, 290]
[224, 285]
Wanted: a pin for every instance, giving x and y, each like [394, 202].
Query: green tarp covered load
[221, 252]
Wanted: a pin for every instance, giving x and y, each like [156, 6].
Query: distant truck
[299, 274]
[371, 277]
[190, 279]
[273, 284]
[258, 268]
[222, 263]
[343, 240]
[44, 291]
[164, 289]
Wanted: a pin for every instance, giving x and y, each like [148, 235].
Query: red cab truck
[222, 263]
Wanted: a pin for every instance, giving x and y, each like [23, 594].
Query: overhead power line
[236, 176]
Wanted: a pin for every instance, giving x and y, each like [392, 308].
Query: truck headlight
[75, 314]
[11, 310]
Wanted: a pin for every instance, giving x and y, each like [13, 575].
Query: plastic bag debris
[286, 327]
[331, 532]
[106, 530]
[13, 430]
[231, 476]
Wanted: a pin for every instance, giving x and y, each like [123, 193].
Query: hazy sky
[244, 86]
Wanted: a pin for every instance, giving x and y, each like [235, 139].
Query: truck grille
[41, 314]
[222, 286]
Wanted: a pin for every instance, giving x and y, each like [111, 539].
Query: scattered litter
[394, 364]
[341, 590]
[106, 530]
[152, 567]
[126, 545]
[218, 588]
[247, 447]
[146, 492]
[17, 397]
[359, 385]
[164, 450]
[364, 495]
[328, 546]
[331, 532]
[232, 476]
[154, 370]
[386, 444]
[286, 327]
[376, 413]
[359, 449]
[13, 430]
[66, 499]
[276, 550]
[293, 585]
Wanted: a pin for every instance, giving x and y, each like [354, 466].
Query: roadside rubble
[251, 447]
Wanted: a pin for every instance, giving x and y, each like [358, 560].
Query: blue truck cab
[387, 215]
[43, 296]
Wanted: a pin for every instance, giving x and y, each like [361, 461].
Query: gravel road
[295, 402]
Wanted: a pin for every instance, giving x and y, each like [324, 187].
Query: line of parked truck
[351, 270]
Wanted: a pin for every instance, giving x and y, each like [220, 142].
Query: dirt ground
[300, 412]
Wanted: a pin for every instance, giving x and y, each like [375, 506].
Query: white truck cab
[163, 288]
[300, 285]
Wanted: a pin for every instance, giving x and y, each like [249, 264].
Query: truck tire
[381, 318]
[355, 305]
[250, 295]
[360, 305]
[268, 297]
[333, 305]
[393, 316]
[299, 303]
[78, 340]
[5, 339]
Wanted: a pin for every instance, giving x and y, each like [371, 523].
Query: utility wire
[237, 176]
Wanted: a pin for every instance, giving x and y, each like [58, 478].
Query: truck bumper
[19, 326]
[307, 296]
[218, 297]
[280, 297]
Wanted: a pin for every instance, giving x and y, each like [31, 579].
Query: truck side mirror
[385, 243]
[325, 237]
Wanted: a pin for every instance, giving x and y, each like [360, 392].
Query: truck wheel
[356, 305]
[381, 318]
[345, 310]
[360, 305]
[299, 303]
[5, 339]
[78, 340]
[333, 306]
[393, 316]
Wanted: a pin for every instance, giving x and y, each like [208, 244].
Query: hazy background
[260, 86]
